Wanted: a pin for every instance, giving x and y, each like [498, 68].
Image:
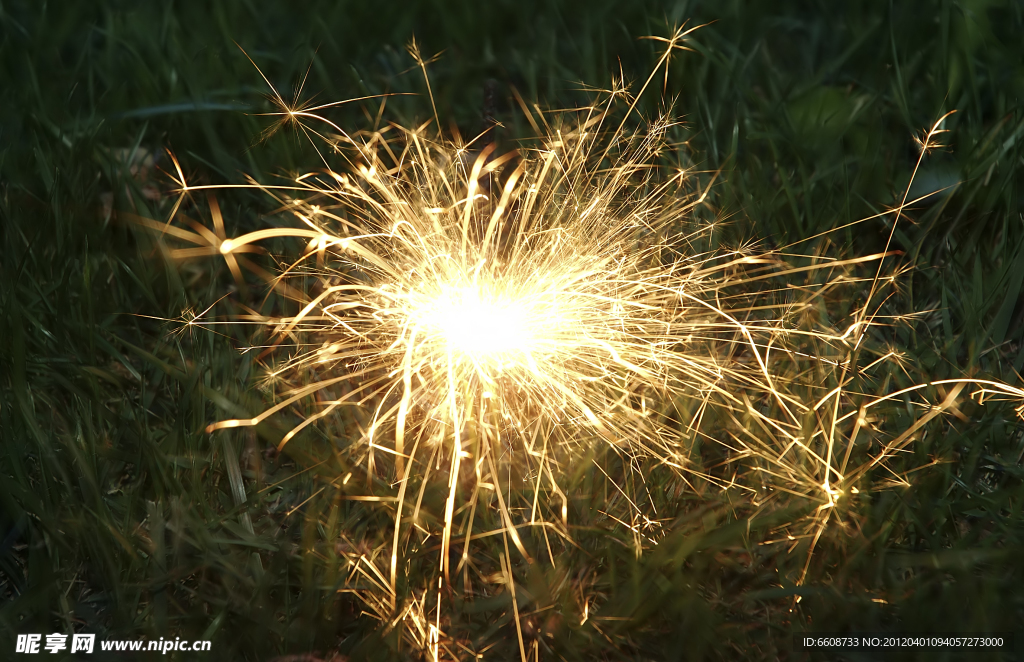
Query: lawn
[122, 516]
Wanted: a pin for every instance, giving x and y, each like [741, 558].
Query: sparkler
[501, 313]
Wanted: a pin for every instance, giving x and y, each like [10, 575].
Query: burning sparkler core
[478, 323]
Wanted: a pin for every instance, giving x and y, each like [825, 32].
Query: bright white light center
[480, 325]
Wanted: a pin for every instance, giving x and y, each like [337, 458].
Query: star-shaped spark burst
[499, 333]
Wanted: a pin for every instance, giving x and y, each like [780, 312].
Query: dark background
[810, 109]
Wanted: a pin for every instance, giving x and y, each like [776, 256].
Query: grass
[121, 517]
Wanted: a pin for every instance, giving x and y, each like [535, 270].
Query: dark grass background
[120, 517]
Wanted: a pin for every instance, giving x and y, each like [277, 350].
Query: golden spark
[501, 313]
